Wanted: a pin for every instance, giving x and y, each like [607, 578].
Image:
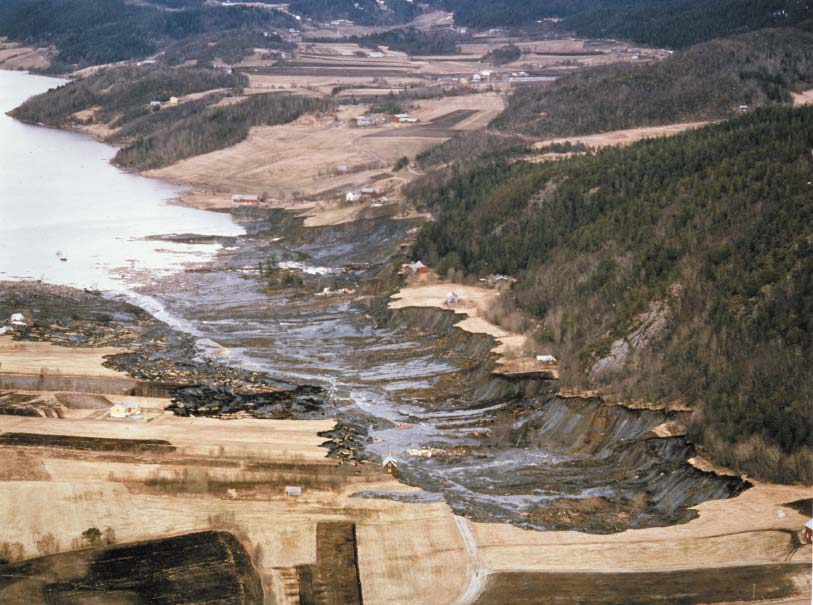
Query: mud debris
[259, 401]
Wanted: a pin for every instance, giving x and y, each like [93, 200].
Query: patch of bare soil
[620, 138]
[209, 567]
[85, 443]
[717, 585]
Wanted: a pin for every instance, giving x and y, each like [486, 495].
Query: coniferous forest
[710, 232]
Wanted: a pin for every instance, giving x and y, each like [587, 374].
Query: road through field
[476, 584]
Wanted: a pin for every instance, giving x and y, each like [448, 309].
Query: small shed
[155, 105]
[342, 169]
[743, 108]
[124, 410]
[390, 465]
[293, 491]
[173, 100]
[17, 319]
[352, 196]
[452, 299]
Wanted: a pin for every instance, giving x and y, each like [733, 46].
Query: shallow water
[59, 193]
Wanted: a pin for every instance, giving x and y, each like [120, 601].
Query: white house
[353, 196]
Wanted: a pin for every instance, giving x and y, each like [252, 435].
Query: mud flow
[303, 312]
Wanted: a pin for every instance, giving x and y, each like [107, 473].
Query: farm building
[352, 196]
[370, 120]
[342, 169]
[390, 465]
[376, 54]
[155, 105]
[416, 267]
[364, 121]
[546, 360]
[245, 200]
[452, 299]
[173, 100]
[124, 410]
[808, 531]
[369, 193]
[293, 491]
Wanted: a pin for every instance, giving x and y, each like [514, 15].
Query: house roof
[809, 524]
[389, 459]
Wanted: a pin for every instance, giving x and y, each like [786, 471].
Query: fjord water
[59, 193]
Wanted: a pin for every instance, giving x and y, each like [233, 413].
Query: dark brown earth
[675, 588]
[96, 444]
[334, 579]
[210, 568]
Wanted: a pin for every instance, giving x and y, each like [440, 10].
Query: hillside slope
[93, 32]
[707, 81]
[661, 23]
[677, 268]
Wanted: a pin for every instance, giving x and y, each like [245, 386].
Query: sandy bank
[620, 138]
[473, 304]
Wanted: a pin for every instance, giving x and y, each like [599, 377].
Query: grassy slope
[717, 224]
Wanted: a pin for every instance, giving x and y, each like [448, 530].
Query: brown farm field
[300, 159]
[230, 476]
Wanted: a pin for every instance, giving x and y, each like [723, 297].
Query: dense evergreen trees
[92, 32]
[661, 23]
[716, 224]
[413, 41]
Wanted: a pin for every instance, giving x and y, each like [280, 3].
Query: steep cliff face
[510, 449]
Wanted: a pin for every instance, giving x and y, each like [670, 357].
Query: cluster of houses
[364, 194]
[377, 119]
